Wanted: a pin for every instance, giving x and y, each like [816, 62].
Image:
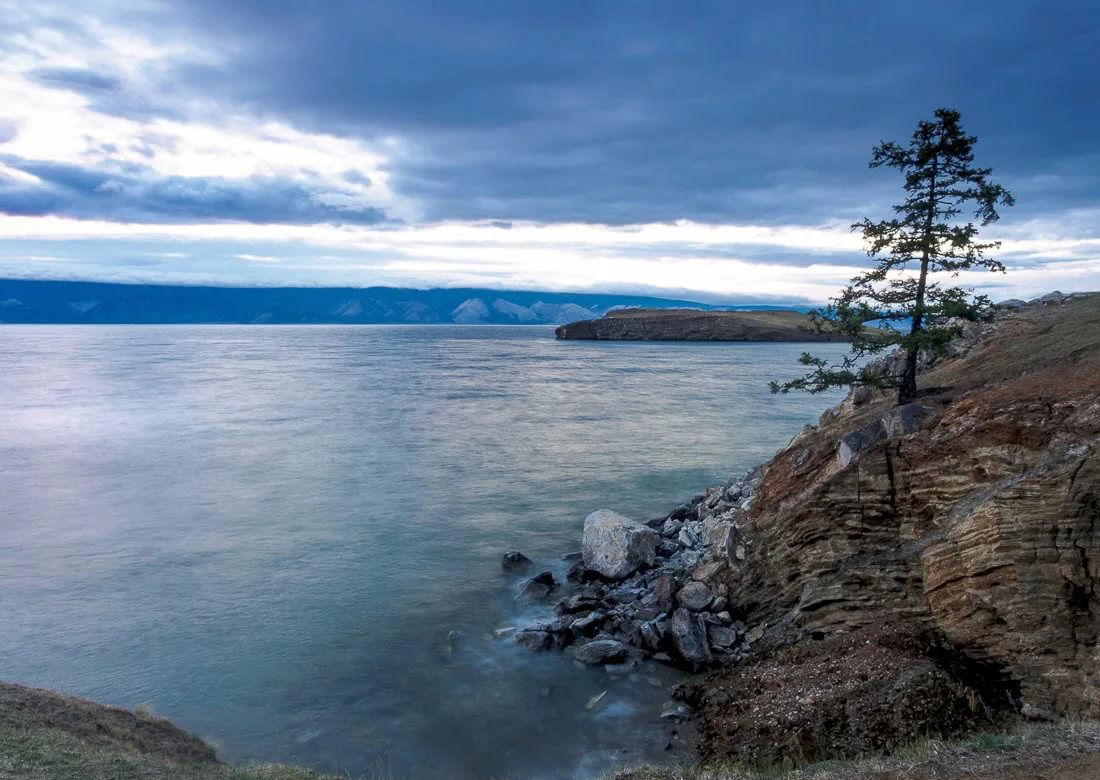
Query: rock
[708, 571]
[851, 444]
[587, 625]
[652, 635]
[578, 602]
[902, 420]
[538, 587]
[534, 640]
[514, 561]
[689, 636]
[755, 634]
[576, 572]
[663, 589]
[595, 701]
[861, 395]
[694, 596]
[616, 546]
[671, 528]
[675, 712]
[724, 617]
[687, 537]
[602, 651]
[721, 636]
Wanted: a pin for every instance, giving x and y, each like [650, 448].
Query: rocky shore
[893, 572]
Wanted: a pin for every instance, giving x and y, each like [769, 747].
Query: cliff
[695, 325]
[972, 516]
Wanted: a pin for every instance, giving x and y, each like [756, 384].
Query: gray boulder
[694, 596]
[689, 636]
[602, 651]
[616, 546]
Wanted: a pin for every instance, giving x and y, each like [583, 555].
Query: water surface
[267, 533]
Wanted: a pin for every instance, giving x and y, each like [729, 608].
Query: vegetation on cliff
[940, 179]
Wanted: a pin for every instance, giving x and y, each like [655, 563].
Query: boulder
[538, 587]
[602, 651]
[689, 636]
[694, 596]
[616, 546]
[534, 640]
[514, 560]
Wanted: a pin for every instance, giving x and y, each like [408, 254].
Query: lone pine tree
[913, 252]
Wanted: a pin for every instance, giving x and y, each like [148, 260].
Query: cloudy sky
[712, 148]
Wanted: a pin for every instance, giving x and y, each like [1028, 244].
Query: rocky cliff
[695, 325]
[975, 512]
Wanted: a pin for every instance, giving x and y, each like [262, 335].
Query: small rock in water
[513, 560]
[594, 702]
[534, 640]
[675, 712]
[538, 587]
[573, 557]
[602, 651]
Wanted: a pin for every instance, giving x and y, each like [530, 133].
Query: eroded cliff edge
[972, 514]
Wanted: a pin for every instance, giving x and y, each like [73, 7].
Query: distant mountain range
[33, 301]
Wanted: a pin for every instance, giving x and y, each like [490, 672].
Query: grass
[52, 754]
[1016, 754]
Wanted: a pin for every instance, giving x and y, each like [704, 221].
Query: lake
[267, 534]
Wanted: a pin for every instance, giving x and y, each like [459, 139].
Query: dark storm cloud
[630, 112]
[131, 193]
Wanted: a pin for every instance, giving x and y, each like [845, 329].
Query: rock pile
[652, 590]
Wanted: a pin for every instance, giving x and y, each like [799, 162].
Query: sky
[716, 150]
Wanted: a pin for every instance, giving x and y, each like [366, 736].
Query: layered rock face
[975, 514]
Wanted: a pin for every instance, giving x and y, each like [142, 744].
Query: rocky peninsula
[695, 325]
[894, 572]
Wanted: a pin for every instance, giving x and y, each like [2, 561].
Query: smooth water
[266, 533]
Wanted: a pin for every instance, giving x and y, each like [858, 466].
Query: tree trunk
[907, 388]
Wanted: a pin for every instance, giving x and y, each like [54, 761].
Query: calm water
[266, 533]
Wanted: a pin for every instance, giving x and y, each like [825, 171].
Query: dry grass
[1068, 750]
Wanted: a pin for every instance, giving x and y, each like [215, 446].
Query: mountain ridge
[78, 302]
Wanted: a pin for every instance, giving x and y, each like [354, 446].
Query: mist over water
[266, 533]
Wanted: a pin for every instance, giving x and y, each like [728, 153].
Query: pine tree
[914, 252]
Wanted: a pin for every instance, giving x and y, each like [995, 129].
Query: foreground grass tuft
[50, 754]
